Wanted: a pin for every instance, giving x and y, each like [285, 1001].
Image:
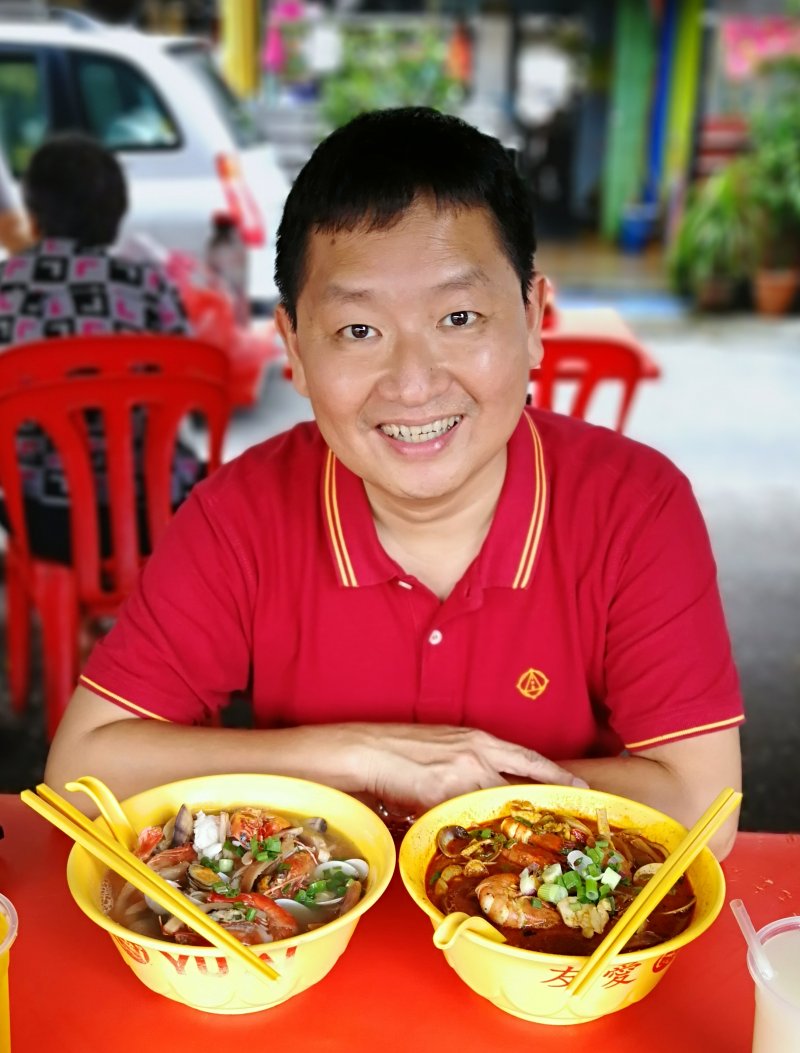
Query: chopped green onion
[485, 834]
[590, 890]
[552, 893]
[525, 822]
[549, 874]
[579, 860]
[594, 854]
[571, 880]
[576, 906]
[273, 844]
[615, 860]
[224, 866]
[253, 845]
[601, 844]
[251, 913]
[435, 876]
[611, 877]
[536, 902]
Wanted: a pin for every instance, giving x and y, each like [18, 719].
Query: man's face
[414, 346]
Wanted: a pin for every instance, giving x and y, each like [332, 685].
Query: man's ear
[288, 334]
[538, 291]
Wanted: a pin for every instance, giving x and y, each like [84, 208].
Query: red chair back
[579, 365]
[54, 382]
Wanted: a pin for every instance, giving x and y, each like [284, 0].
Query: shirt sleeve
[669, 669]
[182, 643]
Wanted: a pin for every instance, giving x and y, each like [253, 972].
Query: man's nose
[415, 370]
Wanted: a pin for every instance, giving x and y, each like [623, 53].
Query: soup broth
[262, 876]
[552, 882]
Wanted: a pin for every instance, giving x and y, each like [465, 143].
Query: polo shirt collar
[509, 553]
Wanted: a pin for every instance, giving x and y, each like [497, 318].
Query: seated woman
[69, 284]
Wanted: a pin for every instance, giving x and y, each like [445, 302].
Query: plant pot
[715, 294]
[774, 291]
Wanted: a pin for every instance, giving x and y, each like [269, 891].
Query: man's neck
[435, 541]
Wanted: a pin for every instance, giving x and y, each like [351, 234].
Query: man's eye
[459, 318]
[358, 331]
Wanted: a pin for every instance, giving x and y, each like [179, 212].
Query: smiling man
[430, 588]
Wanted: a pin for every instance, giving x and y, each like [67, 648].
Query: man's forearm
[660, 786]
[133, 755]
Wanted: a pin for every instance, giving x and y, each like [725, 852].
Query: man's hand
[411, 767]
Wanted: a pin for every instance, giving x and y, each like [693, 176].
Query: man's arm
[15, 234]
[412, 765]
[680, 778]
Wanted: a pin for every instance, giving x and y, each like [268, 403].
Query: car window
[122, 109]
[234, 114]
[24, 117]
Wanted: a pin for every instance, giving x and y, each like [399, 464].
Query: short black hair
[75, 188]
[371, 170]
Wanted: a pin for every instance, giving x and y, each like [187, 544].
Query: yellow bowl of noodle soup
[528, 983]
[202, 976]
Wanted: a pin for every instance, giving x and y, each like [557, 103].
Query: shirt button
[405, 584]
[435, 637]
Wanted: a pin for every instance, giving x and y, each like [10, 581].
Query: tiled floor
[726, 412]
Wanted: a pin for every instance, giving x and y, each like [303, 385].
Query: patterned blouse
[57, 288]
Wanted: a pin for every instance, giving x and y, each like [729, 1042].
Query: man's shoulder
[579, 454]
[283, 469]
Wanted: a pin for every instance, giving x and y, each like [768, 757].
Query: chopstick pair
[656, 888]
[83, 832]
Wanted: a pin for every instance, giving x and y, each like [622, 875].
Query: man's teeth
[421, 432]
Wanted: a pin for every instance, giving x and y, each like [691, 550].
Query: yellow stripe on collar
[533, 538]
[345, 567]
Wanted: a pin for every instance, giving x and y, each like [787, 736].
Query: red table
[391, 990]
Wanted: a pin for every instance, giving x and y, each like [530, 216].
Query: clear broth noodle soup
[262, 876]
[553, 882]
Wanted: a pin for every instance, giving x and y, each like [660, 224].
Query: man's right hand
[412, 767]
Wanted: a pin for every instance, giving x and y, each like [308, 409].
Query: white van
[188, 146]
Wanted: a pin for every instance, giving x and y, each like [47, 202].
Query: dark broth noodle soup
[263, 876]
[553, 882]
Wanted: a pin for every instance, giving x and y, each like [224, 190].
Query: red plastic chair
[53, 382]
[251, 350]
[583, 363]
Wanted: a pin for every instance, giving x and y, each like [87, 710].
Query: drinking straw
[656, 888]
[748, 931]
[70, 821]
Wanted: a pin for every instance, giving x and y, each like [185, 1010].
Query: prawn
[502, 902]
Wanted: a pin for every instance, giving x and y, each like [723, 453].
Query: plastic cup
[8, 933]
[777, 1020]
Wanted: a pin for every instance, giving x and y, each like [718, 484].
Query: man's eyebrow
[462, 280]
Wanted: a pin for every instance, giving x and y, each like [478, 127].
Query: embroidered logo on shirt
[532, 683]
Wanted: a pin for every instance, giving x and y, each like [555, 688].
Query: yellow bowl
[202, 977]
[530, 984]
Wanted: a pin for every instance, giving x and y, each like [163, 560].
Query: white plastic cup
[8, 933]
[777, 1021]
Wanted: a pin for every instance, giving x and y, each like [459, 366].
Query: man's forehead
[349, 292]
[452, 248]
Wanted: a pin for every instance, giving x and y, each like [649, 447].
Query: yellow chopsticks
[656, 888]
[74, 824]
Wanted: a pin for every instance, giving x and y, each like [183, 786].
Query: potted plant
[712, 254]
[773, 178]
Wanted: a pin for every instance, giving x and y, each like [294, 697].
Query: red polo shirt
[589, 621]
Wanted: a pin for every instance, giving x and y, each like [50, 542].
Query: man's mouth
[419, 432]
